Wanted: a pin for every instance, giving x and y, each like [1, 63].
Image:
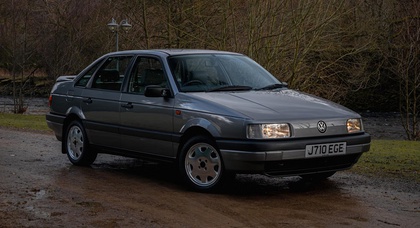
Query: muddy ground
[40, 188]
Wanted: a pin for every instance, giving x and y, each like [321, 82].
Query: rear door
[100, 102]
[146, 122]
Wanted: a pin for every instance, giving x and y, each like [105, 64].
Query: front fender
[203, 123]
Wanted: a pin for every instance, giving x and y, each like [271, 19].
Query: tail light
[50, 101]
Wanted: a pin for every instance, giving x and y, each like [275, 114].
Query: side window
[111, 74]
[83, 81]
[146, 71]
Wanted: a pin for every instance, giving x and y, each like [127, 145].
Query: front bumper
[287, 157]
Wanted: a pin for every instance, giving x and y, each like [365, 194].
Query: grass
[25, 122]
[391, 158]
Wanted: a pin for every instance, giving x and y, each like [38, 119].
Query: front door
[146, 122]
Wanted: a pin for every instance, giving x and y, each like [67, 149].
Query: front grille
[304, 166]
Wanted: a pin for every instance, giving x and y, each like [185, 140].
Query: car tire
[76, 145]
[318, 176]
[201, 165]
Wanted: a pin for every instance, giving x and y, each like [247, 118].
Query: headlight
[354, 125]
[268, 131]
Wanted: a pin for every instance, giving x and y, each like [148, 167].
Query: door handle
[127, 106]
[87, 100]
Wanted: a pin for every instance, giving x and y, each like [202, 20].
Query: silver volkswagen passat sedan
[213, 113]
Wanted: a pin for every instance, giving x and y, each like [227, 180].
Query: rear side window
[83, 81]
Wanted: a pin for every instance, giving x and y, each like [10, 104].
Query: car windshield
[219, 72]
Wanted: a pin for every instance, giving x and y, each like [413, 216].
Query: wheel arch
[189, 133]
[72, 114]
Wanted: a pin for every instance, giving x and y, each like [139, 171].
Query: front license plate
[327, 149]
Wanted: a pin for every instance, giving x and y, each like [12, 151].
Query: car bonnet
[285, 104]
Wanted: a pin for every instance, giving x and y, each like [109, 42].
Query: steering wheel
[194, 82]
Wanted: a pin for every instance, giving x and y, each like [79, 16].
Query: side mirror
[156, 91]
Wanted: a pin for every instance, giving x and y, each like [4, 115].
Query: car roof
[173, 52]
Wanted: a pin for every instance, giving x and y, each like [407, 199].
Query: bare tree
[19, 49]
[331, 48]
[71, 35]
[404, 57]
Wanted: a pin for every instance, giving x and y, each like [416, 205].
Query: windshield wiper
[231, 88]
[272, 86]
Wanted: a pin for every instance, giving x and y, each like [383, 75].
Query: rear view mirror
[156, 91]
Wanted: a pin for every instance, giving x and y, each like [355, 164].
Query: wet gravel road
[40, 188]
